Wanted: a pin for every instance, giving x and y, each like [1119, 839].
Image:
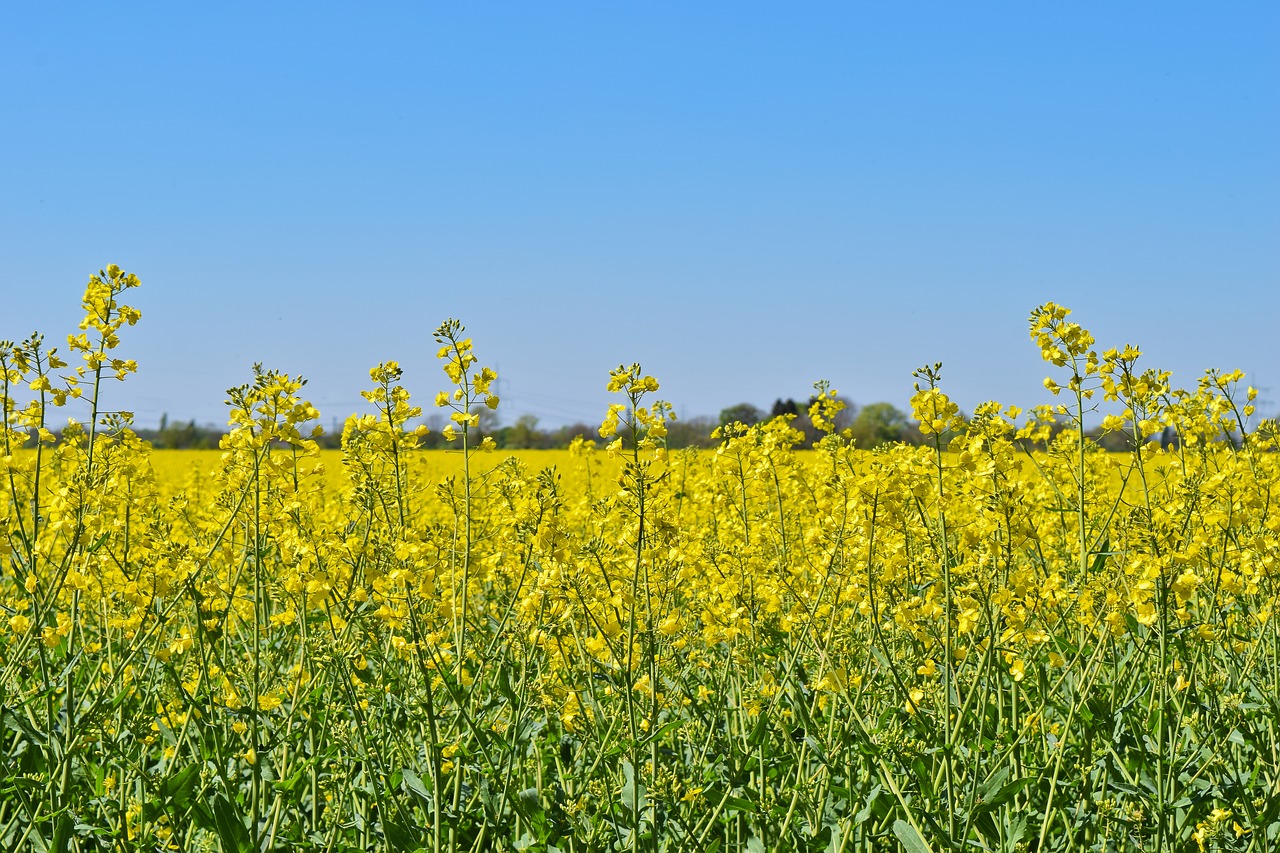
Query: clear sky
[743, 197]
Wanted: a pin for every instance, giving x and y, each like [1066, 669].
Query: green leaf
[1002, 796]
[662, 731]
[910, 838]
[287, 785]
[505, 690]
[9, 717]
[401, 836]
[634, 797]
[861, 816]
[37, 843]
[992, 784]
[528, 804]
[760, 731]
[1100, 557]
[180, 787]
[62, 834]
[413, 784]
[231, 829]
[1016, 831]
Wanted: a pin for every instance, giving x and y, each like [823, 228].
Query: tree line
[870, 426]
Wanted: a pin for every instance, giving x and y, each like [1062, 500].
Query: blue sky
[743, 197]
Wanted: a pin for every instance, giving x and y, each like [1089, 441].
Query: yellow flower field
[1003, 640]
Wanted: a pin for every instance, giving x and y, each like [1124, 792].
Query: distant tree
[332, 438]
[784, 407]
[879, 423]
[911, 434]
[565, 434]
[435, 423]
[524, 433]
[1116, 441]
[691, 432]
[489, 421]
[188, 436]
[743, 413]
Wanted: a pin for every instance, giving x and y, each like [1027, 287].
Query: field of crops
[962, 646]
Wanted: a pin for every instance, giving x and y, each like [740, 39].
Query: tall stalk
[938, 416]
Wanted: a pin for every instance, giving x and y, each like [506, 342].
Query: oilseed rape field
[1005, 639]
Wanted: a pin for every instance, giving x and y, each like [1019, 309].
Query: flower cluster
[1008, 636]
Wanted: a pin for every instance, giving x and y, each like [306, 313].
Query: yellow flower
[609, 426]
[483, 380]
[1146, 612]
[1112, 423]
[935, 411]
[1018, 669]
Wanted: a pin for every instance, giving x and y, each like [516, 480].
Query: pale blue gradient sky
[743, 197]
